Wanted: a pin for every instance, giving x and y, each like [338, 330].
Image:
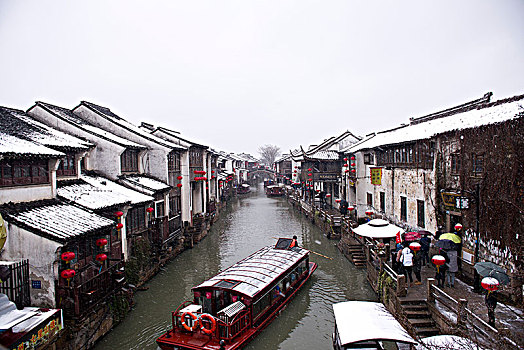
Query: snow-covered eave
[145, 135]
[88, 128]
[177, 135]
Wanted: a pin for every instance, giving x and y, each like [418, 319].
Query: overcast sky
[239, 74]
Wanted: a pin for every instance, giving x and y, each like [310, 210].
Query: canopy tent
[448, 342]
[378, 228]
[359, 321]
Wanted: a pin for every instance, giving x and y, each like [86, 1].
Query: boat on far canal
[274, 191]
[243, 189]
[231, 308]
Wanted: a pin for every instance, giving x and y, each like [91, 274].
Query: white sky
[239, 74]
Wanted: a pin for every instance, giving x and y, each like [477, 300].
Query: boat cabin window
[205, 299]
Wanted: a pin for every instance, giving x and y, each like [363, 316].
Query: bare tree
[269, 153]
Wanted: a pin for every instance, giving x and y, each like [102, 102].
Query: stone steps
[419, 318]
[357, 254]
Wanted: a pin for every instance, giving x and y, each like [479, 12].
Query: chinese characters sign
[376, 176]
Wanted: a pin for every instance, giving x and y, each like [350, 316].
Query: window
[195, 158]
[369, 199]
[159, 209]
[383, 202]
[455, 163]
[403, 208]
[67, 166]
[369, 159]
[174, 205]
[136, 219]
[129, 161]
[478, 164]
[173, 168]
[28, 172]
[420, 213]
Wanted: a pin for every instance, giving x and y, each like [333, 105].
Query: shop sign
[376, 176]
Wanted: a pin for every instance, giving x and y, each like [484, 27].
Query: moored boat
[274, 191]
[231, 308]
[367, 325]
[243, 189]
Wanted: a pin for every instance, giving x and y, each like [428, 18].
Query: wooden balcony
[81, 297]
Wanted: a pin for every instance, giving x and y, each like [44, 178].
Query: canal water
[248, 223]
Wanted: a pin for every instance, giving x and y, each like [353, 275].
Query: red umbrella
[411, 236]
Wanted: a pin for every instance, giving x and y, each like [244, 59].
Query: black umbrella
[446, 244]
[489, 269]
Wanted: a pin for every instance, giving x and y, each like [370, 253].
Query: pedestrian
[452, 268]
[439, 232]
[398, 253]
[440, 276]
[294, 242]
[425, 243]
[344, 205]
[406, 257]
[491, 303]
[417, 266]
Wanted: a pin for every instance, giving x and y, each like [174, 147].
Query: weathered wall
[41, 252]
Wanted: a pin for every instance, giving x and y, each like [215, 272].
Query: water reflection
[249, 222]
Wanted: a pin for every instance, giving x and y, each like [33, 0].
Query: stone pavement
[508, 319]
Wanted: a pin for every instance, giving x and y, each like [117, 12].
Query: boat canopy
[252, 274]
[359, 321]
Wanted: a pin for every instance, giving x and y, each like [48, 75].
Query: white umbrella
[378, 228]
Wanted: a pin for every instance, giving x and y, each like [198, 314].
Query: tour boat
[274, 191]
[231, 308]
[243, 189]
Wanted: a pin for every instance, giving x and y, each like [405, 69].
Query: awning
[359, 321]
[378, 228]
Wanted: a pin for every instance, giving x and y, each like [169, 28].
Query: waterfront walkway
[509, 320]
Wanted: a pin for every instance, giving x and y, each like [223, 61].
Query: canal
[247, 224]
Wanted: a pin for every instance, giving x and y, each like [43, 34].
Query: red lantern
[119, 226]
[118, 214]
[309, 174]
[179, 177]
[150, 210]
[415, 246]
[179, 185]
[369, 212]
[212, 171]
[351, 208]
[345, 165]
[309, 169]
[458, 227]
[353, 164]
[346, 171]
[328, 195]
[67, 274]
[353, 158]
[490, 284]
[68, 256]
[353, 171]
[101, 242]
[101, 257]
[345, 159]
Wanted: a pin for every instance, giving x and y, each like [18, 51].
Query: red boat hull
[179, 340]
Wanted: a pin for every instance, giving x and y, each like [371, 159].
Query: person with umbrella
[452, 268]
[440, 276]
[491, 303]
[425, 243]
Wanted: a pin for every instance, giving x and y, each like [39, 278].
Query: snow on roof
[18, 123]
[20, 322]
[325, 155]
[70, 117]
[108, 114]
[494, 113]
[135, 197]
[358, 321]
[56, 220]
[144, 184]
[11, 145]
[258, 270]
